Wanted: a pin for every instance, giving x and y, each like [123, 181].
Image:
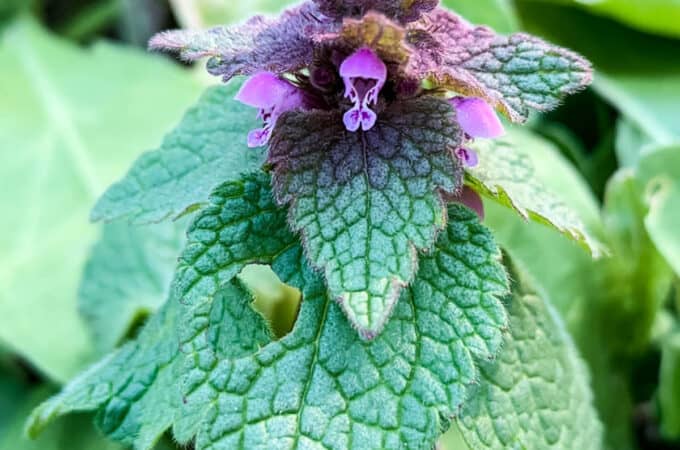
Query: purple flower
[364, 75]
[478, 120]
[272, 96]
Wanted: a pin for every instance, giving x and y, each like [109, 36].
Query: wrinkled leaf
[537, 395]
[319, 384]
[323, 385]
[135, 388]
[71, 122]
[506, 174]
[514, 74]
[207, 148]
[367, 203]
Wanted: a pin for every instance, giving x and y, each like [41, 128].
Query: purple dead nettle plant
[383, 76]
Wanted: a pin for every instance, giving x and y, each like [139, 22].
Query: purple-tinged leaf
[513, 74]
[401, 10]
[367, 202]
[285, 44]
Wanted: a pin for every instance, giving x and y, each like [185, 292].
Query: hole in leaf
[278, 302]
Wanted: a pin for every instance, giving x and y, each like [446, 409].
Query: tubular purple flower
[477, 118]
[467, 156]
[272, 96]
[364, 75]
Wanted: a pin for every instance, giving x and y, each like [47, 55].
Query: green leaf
[659, 174]
[322, 385]
[639, 78]
[577, 285]
[319, 385]
[74, 433]
[366, 203]
[135, 388]
[655, 16]
[127, 277]
[506, 174]
[207, 148]
[71, 122]
[669, 386]
[537, 395]
[497, 14]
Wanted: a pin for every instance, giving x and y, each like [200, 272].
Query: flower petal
[477, 118]
[263, 90]
[364, 63]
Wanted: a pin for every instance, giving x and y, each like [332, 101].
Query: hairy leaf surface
[507, 175]
[320, 385]
[513, 73]
[135, 389]
[366, 203]
[128, 277]
[207, 148]
[537, 395]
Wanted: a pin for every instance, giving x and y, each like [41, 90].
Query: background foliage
[80, 98]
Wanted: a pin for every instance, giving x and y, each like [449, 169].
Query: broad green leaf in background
[75, 432]
[497, 14]
[641, 78]
[206, 13]
[127, 277]
[73, 119]
[655, 16]
[505, 173]
[537, 395]
[205, 149]
[659, 173]
[669, 386]
[367, 204]
[632, 143]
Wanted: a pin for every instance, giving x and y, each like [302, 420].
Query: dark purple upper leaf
[285, 44]
[401, 10]
[512, 73]
[365, 203]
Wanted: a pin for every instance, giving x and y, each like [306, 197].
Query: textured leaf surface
[135, 389]
[321, 386]
[514, 73]
[365, 203]
[127, 277]
[72, 121]
[397, 9]
[537, 395]
[507, 175]
[207, 148]
[280, 45]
